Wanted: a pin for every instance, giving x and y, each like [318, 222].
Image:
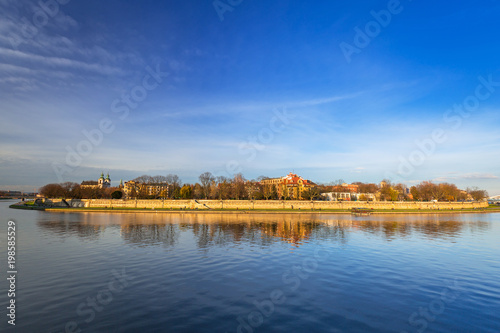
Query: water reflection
[150, 234]
[428, 226]
[211, 230]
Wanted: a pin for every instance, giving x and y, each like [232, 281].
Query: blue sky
[360, 91]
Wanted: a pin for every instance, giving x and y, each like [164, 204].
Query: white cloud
[478, 175]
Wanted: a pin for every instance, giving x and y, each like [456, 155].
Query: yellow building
[135, 189]
[290, 186]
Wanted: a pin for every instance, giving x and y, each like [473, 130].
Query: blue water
[253, 273]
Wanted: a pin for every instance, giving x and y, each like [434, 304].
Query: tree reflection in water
[212, 230]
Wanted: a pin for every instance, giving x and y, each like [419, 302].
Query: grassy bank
[26, 207]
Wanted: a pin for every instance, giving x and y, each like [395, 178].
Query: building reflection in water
[261, 229]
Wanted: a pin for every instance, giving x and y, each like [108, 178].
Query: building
[348, 196]
[100, 183]
[365, 196]
[290, 186]
[351, 188]
[11, 193]
[89, 184]
[135, 189]
[337, 196]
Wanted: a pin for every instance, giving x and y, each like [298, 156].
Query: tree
[117, 194]
[267, 191]
[258, 195]
[387, 193]
[401, 189]
[71, 190]
[415, 193]
[394, 195]
[477, 194]
[449, 192]
[174, 185]
[198, 192]
[366, 188]
[310, 193]
[144, 179]
[206, 180]
[53, 191]
[253, 190]
[337, 185]
[94, 193]
[238, 187]
[427, 191]
[133, 193]
[159, 179]
[274, 192]
[221, 188]
[186, 192]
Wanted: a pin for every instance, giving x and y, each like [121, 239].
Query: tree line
[239, 188]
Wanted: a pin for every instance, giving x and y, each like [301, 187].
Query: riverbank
[21, 205]
[252, 206]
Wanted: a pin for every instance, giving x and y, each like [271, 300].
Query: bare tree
[477, 194]
[53, 191]
[206, 180]
[174, 185]
[144, 179]
[198, 191]
[239, 187]
[159, 179]
[224, 185]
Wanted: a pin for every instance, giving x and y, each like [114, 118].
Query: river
[99, 272]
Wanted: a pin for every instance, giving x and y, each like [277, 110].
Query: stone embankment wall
[265, 204]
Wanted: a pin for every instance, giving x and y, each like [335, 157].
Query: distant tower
[107, 182]
[121, 183]
[100, 182]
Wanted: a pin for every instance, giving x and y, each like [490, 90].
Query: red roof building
[291, 186]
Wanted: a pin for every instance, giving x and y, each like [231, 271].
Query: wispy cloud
[466, 176]
[479, 176]
[30, 60]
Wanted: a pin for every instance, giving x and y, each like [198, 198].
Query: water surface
[253, 273]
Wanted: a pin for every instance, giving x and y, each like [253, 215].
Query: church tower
[107, 181]
[100, 182]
